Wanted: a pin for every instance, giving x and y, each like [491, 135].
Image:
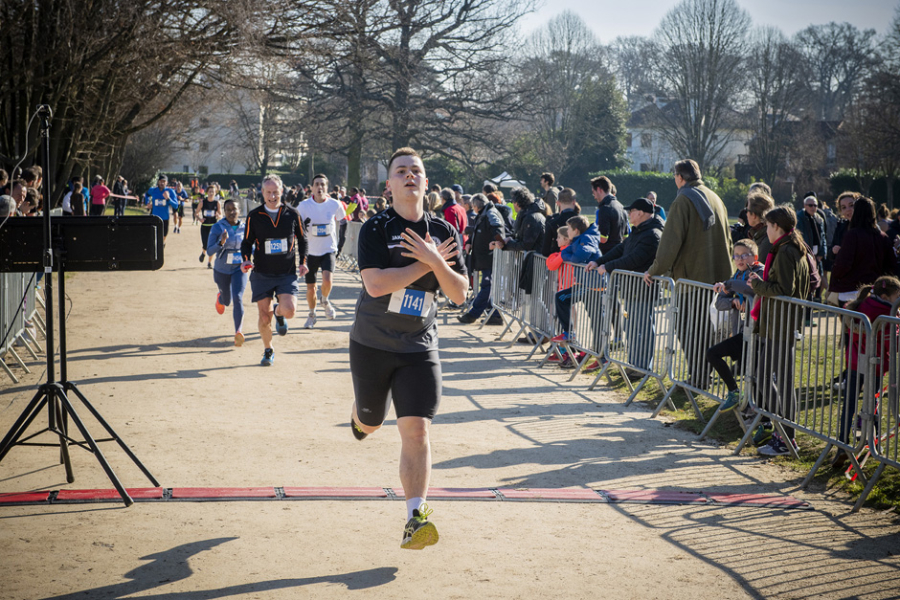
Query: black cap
[642, 204]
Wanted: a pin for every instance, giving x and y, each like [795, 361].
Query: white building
[648, 149]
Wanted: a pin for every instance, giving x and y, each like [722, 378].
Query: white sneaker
[310, 321]
[329, 311]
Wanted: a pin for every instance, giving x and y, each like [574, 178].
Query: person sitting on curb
[734, 297]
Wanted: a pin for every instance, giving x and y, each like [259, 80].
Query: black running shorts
[413, 380]
[325, 262]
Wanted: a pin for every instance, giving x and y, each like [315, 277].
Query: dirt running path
[149, 350]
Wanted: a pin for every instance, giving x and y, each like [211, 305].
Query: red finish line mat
[578, 495]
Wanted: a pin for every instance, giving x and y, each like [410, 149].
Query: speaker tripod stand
[84, 242]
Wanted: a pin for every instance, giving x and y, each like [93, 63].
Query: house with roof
[648, 148]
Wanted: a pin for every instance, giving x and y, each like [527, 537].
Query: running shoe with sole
[220, 308]
[310, 321]
[763, 434]
[563, 337]
[268, 358]
[732, 400]
[329, 310]
[281, 327]
[209, 265]
[777, 447]
[202, 256]
[238, 339]
[357, 432]
[419, 531]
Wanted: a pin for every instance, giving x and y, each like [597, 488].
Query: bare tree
[575, 117]
[836, 59]
[396, 73]
[104, 88]
[632, 60]
[775, 88]
[701, 45]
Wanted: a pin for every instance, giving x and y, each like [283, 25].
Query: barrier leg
[516, 336]
[27, 346]
[780, 428]
[8, 371]
[748, 434]
[818, 465]
[868, 489]
[712, 420]
[39, 324]
[602, 372]
[637, 389]
[19, 360]
[666, 401]
[35, 341]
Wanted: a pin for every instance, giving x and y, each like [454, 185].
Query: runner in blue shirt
[225, 239]
[161, 199]
[182, 197]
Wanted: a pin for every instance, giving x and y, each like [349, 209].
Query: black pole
[45, 114]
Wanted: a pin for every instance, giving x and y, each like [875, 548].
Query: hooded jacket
[685, 239]
[529, 229]
[584, 248]
[488, 225]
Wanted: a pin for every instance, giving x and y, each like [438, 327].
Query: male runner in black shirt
[276, 232]
[404, 257]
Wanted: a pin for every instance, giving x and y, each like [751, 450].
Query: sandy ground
[158, 362]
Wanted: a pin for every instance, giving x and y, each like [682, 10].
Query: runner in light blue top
[161, 199]
[225, 239]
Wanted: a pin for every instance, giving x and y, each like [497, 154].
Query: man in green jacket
[695, 245]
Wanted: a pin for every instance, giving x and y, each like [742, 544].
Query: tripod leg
[67, 405]
[102, 421]
[59, 424]
[28, 415]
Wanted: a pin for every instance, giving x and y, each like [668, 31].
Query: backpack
[815, 279]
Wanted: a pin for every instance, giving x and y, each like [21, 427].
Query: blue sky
[610, 19]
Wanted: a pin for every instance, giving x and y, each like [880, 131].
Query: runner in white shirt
[321, 215]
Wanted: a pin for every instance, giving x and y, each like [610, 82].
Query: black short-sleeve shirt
[379, 248]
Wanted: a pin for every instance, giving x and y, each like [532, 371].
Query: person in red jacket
[453, 211]
[873, 301]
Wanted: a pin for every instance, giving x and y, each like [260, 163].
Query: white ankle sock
[411, 505]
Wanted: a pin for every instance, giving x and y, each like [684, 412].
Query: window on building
[646, 140]
[186, 169]
[628, 140]
[204, 146]
[204, 122]
[203, 170]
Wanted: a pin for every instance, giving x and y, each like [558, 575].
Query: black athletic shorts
[325, 262]
[413, 380]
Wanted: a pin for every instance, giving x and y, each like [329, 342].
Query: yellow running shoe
[419, 531]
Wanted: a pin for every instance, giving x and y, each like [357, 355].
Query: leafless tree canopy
[701, 44]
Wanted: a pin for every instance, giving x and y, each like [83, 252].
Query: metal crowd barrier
[18, 307]
[882, 406]
[586, 327]
[350, 250]
[540, 311]
[695, 327]
[506, 297]
[794, 367]
[793, 372]
[637, 330]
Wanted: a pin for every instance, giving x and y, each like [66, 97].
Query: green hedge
[845, 181]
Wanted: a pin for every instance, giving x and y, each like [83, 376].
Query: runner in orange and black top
[276, 232]
[212, 212]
